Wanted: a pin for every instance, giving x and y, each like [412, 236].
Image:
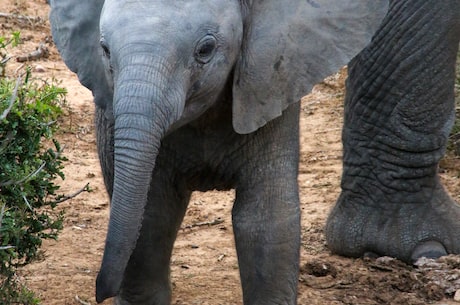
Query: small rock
[39, 69]
[457, 296]
[385, 260]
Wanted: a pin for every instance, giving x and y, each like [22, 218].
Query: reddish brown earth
[204, 266]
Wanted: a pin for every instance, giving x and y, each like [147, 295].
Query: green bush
[30, 162]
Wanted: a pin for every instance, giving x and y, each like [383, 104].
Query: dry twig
[86, 188]
[41, 51]
[204, 223]
[22, 18]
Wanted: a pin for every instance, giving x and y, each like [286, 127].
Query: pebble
[39, 69]
[457, 296]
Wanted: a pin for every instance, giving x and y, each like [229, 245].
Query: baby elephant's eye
[205, 49]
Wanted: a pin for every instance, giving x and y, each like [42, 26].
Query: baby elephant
[204, 94]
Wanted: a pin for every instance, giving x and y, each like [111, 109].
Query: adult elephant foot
[399, 110]
[407, 231]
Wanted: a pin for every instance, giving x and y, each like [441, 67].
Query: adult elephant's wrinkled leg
[398, 113]
[266, 214]
[147, 277]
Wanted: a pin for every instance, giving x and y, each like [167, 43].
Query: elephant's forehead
[170, 23]
[164, 8]
[151, 15]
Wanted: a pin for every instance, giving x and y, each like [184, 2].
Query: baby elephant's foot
[406, 231]
[161, 298]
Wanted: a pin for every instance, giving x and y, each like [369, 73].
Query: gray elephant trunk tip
[103, 291]
[106, 287]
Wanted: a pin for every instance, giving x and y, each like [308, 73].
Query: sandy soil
[204, 265]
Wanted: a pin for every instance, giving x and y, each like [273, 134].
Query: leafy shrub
[30, 162]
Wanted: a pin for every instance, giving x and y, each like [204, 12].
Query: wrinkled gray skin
[398, 114]
[200, 95]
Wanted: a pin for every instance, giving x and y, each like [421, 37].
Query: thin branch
[27, 203]
[12, 99]
[23, 18]
[5, 60]
[7, 247]
[49, 123]
[30, 176]
[86, 188]
[16, 71]
[2, 212]
[205, 223]
[40, 51]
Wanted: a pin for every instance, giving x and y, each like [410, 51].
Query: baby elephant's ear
[75, 30]
[291, 45]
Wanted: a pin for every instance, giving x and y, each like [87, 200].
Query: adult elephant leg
[266, 216]
[146, 280]
[399, 110]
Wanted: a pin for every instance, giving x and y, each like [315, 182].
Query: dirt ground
[204, 267]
